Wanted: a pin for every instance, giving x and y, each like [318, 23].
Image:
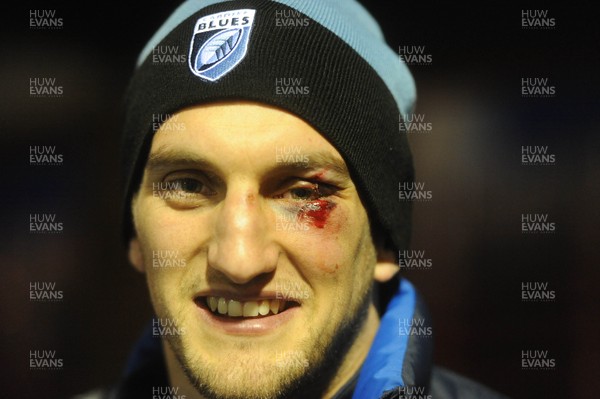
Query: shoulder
[447, 384]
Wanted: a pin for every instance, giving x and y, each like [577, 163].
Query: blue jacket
[399, 364]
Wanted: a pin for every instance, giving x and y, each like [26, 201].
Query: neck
[356, 355]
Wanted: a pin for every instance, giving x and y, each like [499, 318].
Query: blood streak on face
[317, 212]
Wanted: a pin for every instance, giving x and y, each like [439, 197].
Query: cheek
[161, 227]
[166, 244]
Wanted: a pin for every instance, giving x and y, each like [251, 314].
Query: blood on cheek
[316, 212]
[318, 215]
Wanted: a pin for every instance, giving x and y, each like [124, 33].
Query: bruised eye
[306, 191]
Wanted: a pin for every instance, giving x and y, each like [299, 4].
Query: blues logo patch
[219, 43]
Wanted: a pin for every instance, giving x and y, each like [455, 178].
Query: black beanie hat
[237, 50]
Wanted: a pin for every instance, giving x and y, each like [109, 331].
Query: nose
[242, 248]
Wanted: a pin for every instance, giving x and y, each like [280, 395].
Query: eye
[306, 191]
[187, 185]
[183, 190]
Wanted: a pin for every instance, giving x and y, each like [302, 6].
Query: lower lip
[247, 325]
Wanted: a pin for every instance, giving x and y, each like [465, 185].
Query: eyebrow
[317, 161]
[165, 158]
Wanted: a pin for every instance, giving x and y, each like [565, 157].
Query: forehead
[242, 133]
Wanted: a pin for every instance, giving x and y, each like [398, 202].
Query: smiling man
[262, 310]
[262, 158]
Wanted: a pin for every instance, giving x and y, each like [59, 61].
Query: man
[261, 205]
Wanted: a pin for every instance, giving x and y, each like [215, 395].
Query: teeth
[250, 309]
[222, 306]
[212, 303]
[234, 308]
[275, 306]
[264, 308]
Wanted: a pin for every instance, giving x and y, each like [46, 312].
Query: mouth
[231, 308]
[255, 316]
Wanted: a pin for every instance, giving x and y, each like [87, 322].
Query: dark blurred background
[470, 93]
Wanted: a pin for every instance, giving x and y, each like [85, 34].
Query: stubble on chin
[247, 371]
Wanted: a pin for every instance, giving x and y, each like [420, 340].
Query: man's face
[256, 248]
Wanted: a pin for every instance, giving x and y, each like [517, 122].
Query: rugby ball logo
[219, 43]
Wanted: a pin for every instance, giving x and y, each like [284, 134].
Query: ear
[135, 255]
[386, 266]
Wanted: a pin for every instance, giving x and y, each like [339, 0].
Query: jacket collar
[401, 353]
